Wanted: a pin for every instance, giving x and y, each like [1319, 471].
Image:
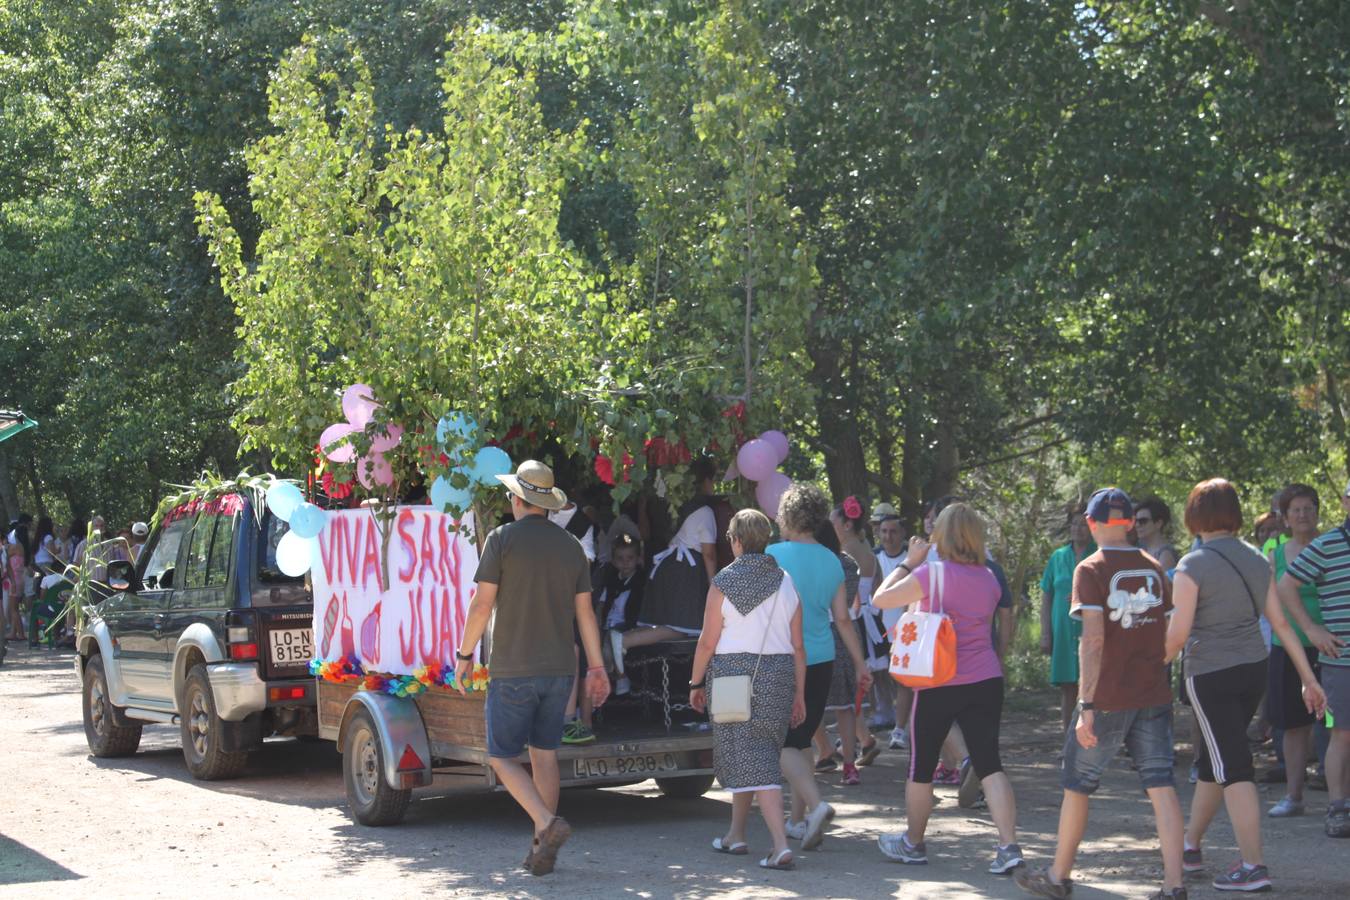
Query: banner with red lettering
[420, 618]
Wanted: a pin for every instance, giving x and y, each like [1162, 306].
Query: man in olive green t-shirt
[536, 577]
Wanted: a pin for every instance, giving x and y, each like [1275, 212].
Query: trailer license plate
[292, 646]
[644, 764]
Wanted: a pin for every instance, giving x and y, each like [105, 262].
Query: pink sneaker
[851, 775]
[944, 775]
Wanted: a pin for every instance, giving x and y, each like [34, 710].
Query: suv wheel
[106, 738]
[371, 799]
[202, 731]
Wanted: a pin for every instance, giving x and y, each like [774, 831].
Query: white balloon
[294, 554]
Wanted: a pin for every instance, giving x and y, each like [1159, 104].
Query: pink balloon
[359, 404]
[756, 459]
[779, 442]
[331, 435]
[770, 491]
[374, 471]
[383, 444]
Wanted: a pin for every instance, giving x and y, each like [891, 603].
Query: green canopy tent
[11, 423]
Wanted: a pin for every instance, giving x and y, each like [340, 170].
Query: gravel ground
[73, 826]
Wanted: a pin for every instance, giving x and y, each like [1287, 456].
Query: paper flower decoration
[359, 406]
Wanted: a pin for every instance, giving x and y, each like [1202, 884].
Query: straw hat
[533, 483]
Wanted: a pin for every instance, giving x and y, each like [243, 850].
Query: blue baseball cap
[1100, 505]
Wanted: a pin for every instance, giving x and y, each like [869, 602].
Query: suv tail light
[241, 634]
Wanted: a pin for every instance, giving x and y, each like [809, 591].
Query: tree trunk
[840, 439]
[1337, 415]
[911, 453]
[1040, 483]
[886, 440]
[9, 494]
[39, 499]
[947, 461]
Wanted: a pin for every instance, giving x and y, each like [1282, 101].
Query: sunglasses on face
[1142, 520]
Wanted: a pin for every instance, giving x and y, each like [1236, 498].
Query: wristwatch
[1086, 705]
[698, 687]
[463, 657]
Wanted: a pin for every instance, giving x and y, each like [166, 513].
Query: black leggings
[817, 691]
[1224, 703]
[976, 707]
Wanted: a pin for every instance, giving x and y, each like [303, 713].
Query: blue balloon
[488, 464]
[308, 520]
[444, 494]
[460, 425]
[282, 498]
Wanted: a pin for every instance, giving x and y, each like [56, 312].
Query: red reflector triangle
[410, 759]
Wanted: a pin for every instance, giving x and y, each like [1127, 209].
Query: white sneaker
[816, 822]
[795, 830]
[622, 686]
[1286, 808]
[899, 740]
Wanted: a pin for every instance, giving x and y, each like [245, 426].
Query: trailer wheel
[686, 787]
[371, 799]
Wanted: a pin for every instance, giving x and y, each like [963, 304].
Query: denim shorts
[1146, 735]
[526, 711]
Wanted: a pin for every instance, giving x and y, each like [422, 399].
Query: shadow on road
[24, 865]
[440, 835]
[283, 771]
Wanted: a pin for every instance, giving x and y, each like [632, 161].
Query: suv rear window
[273, 529]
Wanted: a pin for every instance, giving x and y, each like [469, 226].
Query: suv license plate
[643, 764]
[292, 646]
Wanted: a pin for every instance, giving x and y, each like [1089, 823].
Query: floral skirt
[843, 680]
[745, 754]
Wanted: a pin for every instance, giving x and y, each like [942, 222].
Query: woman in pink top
[973, 698]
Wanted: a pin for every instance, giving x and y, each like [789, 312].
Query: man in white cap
[537, 579]
[139, 531]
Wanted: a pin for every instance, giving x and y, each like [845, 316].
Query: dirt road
[72, 826]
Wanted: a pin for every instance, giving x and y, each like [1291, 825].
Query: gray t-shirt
[539, 569]
[1227, 629]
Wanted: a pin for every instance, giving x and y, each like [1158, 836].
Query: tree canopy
[1005, 250]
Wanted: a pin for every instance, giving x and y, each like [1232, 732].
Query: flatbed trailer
[391, 745]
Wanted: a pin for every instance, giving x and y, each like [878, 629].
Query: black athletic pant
[1224, 703]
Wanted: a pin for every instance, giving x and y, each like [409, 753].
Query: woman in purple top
[973, 698]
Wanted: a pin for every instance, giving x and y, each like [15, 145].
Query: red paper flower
[735, 411]
[338, 490]
[852, 508]
[604, 468]
[909, 634]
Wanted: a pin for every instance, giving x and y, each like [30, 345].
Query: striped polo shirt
[1326, 563]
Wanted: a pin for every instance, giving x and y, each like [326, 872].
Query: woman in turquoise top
[1300, 509]
[819, 579]
[1059, 633]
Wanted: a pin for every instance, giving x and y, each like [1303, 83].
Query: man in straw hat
[536, 577]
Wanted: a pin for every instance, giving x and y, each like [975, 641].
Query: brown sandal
[550, 840]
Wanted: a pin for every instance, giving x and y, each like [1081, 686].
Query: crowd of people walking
[795, 620]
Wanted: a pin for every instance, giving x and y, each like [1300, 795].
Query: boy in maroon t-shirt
[1123, 598]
